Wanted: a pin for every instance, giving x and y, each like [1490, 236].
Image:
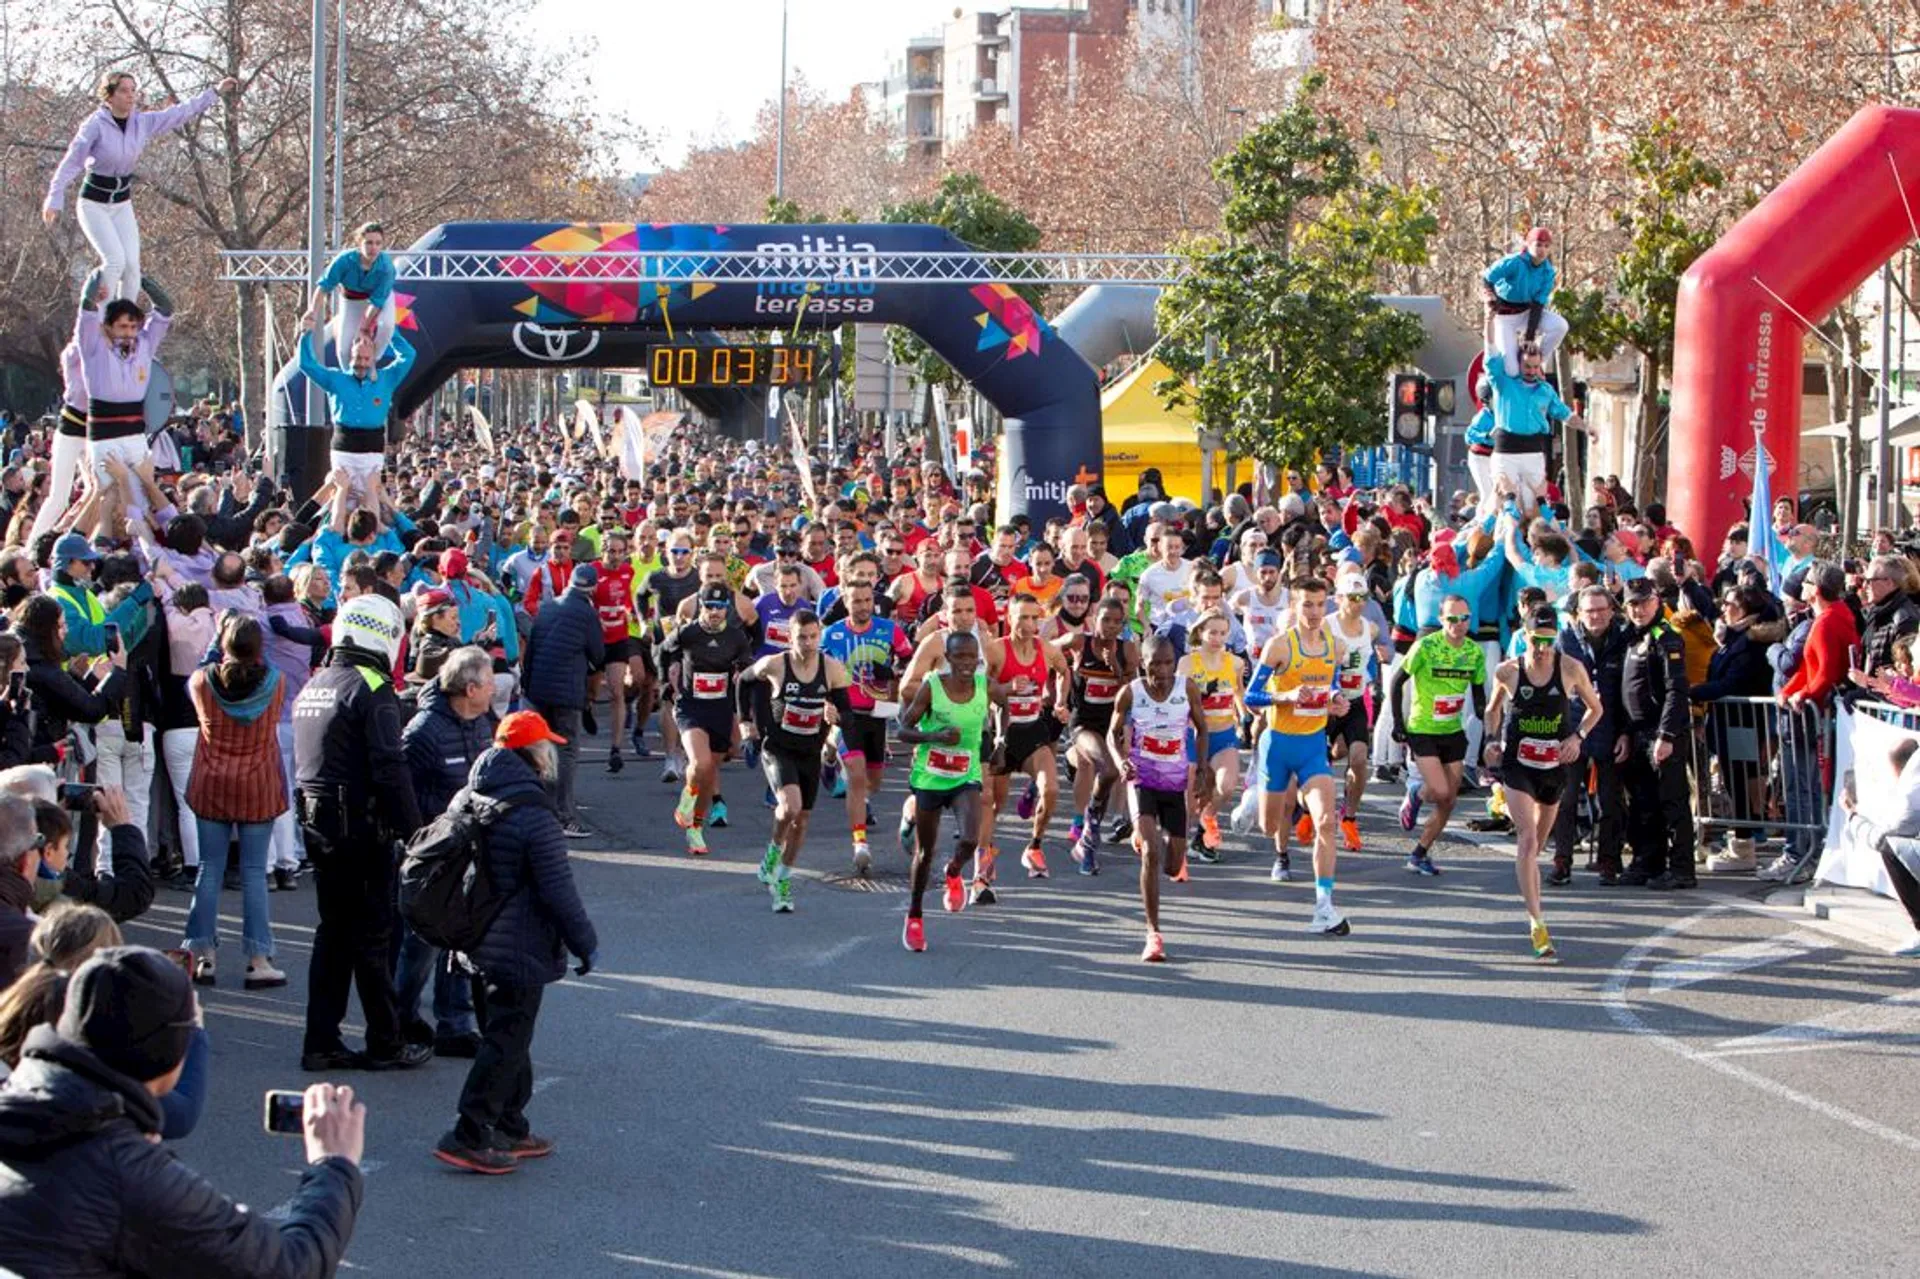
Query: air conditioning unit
[986, 87]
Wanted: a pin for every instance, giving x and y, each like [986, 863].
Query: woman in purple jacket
[106, 147]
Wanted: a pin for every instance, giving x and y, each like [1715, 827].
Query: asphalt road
[1695, 1089]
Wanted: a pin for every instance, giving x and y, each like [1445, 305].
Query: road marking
[1615, 996]
[1889, 1021]
[680, 1268]
[1735, 959]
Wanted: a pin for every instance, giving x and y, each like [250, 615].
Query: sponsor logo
[1744, 462]
[554, 346]
[824, 275]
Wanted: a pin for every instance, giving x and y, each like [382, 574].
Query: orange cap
[522, 729]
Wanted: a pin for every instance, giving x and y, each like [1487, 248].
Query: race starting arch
[546, 294]
[1746, 305]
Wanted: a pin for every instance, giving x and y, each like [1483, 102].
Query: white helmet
[371, 623]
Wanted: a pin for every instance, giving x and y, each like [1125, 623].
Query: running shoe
[862, 859]
[574, 830]
[1199, 851]
[614, 762]
[1422, 864]
[1303, 829]
[1074, 832]
[981, 894]
[696, 842]
[1089, 858]
[1282, 872]
[638, 741]
[1542, 944]
[670, 772]
[955, 898]
[1210, 827]
[1120, 831]
[1410, 810]
[717, 812]
[835, 780]
[906, 832]
[1035, 861]
[769, 866]
[1027, 801]
[683, 811]
[750, 752]
[1350, 834]
[914, 935]
[782, 896]
[1329, 921]
[1155, 951]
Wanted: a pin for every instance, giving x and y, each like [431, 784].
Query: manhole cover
[875, 882]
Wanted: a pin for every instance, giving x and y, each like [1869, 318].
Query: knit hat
[132, 1008]
[370, 623]
[585, 577]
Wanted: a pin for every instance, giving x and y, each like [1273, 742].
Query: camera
[284, 1112]
[77, 797]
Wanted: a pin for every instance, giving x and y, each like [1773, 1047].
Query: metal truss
[819, 266]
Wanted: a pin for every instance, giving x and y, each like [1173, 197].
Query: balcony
[987, 89]
[923, 85]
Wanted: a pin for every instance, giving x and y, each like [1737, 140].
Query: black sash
[359, 439]
[107, 420]
[105, 190]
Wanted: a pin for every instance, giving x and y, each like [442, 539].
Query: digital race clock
[707, 366]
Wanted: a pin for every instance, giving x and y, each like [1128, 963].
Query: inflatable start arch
[515, 315]
[1745, 306]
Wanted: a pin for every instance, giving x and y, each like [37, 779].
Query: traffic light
[1441, 393]
[1409, 408]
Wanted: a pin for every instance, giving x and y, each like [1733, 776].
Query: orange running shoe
[1350, 834]
[1155, 951]
[956, 895]
[1303, 829]
[1210, 823]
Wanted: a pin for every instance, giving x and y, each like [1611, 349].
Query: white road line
[1893, 1020]
[1615, 996]
[1735, 959]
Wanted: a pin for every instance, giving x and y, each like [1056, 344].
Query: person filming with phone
[86, 1188]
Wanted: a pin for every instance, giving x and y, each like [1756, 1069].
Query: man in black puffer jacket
[87, 1192]
[525, 949]
[566, 646]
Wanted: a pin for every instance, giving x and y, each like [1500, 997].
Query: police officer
[355, 801]
[1653, 696]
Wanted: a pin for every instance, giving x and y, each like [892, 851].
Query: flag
[1763, 543]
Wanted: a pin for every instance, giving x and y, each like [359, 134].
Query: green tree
[964, 205]
[1275, 337]
[1671, 217]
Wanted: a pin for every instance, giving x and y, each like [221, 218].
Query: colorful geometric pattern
[403, 317]
[599, 296]
[1009, 321]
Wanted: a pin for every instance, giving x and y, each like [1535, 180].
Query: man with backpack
[536, 919]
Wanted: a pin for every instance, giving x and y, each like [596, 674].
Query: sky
[689, 71]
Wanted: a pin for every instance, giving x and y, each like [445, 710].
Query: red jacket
[548, 581]
[1828, 656]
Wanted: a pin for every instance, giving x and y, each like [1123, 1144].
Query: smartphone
[76, 797]
[112, 631]
[284, 1112]
[16, 685]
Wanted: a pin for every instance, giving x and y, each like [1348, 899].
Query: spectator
[19, 866]
[1889, 610]
[237, 791]
[1737, 669]
[60, 700]
[1892, 829]
[565, 648]
[524, 950]
[1598, 641]
[1806, 693]
[86, 1180]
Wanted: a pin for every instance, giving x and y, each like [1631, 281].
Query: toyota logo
[554, 346]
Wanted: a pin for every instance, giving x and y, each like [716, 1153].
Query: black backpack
[446, 894]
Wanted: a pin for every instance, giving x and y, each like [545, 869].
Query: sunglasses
[1076, 599]
[1453, 618]
[678, 550]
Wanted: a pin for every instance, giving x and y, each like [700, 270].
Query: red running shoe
[1154, 952]
[914, 935]
[956, 895]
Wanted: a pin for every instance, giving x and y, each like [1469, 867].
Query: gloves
[586, 964]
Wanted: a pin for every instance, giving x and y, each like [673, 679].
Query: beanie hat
[132, 1008]
[370, 623]
[585, 577]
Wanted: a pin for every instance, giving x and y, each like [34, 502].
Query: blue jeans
[1800, 782]
[452, 993]
[203, 921]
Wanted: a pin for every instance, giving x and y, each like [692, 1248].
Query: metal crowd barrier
[1760, 767]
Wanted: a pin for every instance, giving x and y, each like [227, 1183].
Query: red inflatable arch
[1744, 307]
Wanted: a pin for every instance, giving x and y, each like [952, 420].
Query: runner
[1445, 671]
[1263, 606]
[958, 614]
[794, 696]
[702, 658]
[1536, 748]
[872, 649]
[1103, 662]
[1293, 682]
[1154, 718]
[1215, 673]
[773, 611]
[1166, 584]
[1073, 613]
[1364, 654]
[659, 603]
[944, 723]
[1037, 681]
[625, 671]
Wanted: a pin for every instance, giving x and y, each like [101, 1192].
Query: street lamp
[780, 132]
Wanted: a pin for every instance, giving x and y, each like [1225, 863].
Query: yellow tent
[1139, 432]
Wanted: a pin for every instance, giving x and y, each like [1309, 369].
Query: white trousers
[115, 235]
[1480, 467]
[288, 844]
[67, 452]
[347, 319]
[1525, 472]
[360, 467]
[128, 765]
[130, 449]
[1509, 330]
[176, 747]
[1386, 751]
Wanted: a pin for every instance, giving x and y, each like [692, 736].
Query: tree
[1670, 220]
[965, 206]
[1300, 347]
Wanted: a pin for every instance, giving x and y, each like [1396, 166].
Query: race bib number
[1447, 709]
[949, 763]
[778, 633]
[1217, 703]
[709, 684]
[1023, 703]
[802, 719]
[1163, 748]
[1539, 752]
[1313, 701]
[1352, 681]
[1101, 690]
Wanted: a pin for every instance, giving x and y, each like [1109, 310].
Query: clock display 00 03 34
[727, 365]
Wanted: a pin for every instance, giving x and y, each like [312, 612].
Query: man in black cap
[566, 647]
[84, 1179]
[1653, 699]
